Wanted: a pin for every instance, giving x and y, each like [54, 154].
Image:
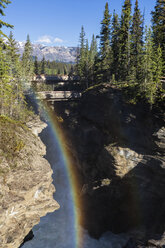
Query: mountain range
[51, 53]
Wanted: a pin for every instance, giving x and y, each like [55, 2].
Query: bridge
[54, 78]
[57, 96]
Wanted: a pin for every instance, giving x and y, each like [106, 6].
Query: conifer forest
[126, 53]
[82, 124]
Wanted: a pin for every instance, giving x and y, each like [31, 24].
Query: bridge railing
[57, 95]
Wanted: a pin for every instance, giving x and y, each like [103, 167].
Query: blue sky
[58, 22]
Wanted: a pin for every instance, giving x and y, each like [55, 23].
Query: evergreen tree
[71, 72]
[124, 65]
[158, 66]
[36, 67]
[7, 94]
[105, 46]
[158, 25]
[81, 55]
[13, 56]
[148, 86]
[43, 65]
[27, 62]
[12, 102]
[3, 4]
[59, 71]
[92, 57]
[65, 70]
[86, 67]
[136, 45]
[115, 47]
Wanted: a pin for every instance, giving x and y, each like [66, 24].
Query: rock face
[60, 54]
[26, 189]
[119, 151]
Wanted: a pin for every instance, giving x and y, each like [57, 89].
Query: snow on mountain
[60, 54]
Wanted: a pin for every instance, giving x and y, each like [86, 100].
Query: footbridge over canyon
[57, 96]
[55, 78]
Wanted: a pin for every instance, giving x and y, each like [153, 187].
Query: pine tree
[92, 57]
[59, 71]
[65, 70]
[13, 60]
[86, 67]
[105, 50]
[43, 65]
[3, 4]
[27, 62]
[13, 56]
[81, 55]
[7, 68]
[136, 45]
[12, 102]
[124, 65]
[158, 25]
[148, 86]
[36, 67]
[158, 66]
[71, 72]
[115, 46]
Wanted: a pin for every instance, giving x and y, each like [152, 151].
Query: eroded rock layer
[26, 189]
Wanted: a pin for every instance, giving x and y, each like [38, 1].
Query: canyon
[118, 148]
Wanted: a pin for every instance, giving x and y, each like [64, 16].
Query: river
[56, 230]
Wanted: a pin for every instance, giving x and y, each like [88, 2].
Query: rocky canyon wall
[118, 148]
[26, 189]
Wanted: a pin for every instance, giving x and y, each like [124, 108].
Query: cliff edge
[26, 189]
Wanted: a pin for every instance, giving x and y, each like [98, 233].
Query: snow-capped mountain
[60, 54]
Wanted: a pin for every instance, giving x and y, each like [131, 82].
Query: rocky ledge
[119, 152]
[26, 189]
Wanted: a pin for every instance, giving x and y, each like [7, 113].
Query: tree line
[52, 67]
[15, 73]
[129, 54]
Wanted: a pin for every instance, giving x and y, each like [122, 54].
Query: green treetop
[81, 55]
[105, 45]
[158, 66]
[27, 61]
[158, 25]
[125, 40]
[13, 56]
[3, 4]
[136, 44]
[115, 46]
[43, 66]
[36, 67]
[92, 57]
[148, 86]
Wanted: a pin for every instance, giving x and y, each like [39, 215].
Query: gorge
[118, 150]
[82, 134]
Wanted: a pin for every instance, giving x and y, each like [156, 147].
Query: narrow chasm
[118, 148]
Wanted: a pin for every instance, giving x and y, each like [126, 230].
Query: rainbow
[59, 136]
